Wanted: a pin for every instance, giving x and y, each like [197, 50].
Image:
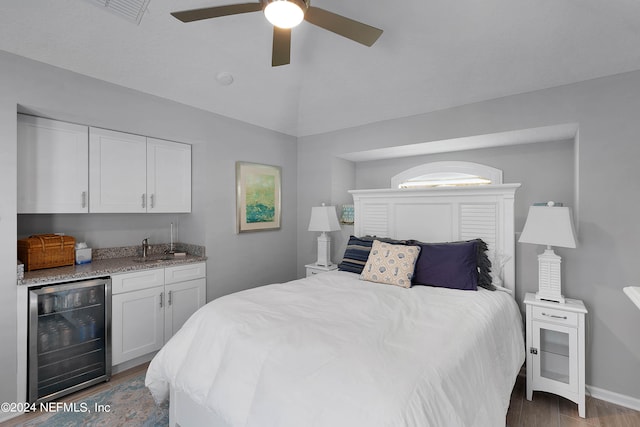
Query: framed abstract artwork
[258, 201]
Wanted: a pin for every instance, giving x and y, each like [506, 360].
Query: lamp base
[549, 284]
[554, 298]
[324, 250]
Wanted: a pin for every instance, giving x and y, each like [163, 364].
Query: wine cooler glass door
[69, 337]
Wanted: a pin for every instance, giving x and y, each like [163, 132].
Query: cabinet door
[183, 299]
[53, 165]
[168, 176]
[555, 366]
[137, 324]
[118, 171]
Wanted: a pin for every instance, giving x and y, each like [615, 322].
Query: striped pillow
[357, 252]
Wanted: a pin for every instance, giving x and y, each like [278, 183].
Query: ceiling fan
[284, 15]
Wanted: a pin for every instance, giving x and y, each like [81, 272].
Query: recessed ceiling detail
[132, 10]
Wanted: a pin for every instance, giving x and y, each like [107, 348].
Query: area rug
[126, 404]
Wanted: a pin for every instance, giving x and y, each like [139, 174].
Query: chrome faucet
[145, 247]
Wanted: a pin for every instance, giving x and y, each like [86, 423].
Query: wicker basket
[46, 251]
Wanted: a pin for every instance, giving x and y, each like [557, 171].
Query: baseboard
[116, 369]
[6, 416]
[613, 397]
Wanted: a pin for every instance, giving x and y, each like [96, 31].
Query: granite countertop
[105, 267]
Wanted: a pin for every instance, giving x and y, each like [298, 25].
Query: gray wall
[608, 185]
[236, 261]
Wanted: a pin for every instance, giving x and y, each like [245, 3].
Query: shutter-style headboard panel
[442, 215]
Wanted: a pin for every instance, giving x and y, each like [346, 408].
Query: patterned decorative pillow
[390, 264]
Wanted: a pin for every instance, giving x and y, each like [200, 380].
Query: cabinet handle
[161, 295]
[555, 316]
[152, 203]
[84, 199]
[144, 200]
[170, 297]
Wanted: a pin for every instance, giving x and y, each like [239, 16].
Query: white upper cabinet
[52, 166]
[133, 173]
[118, 171]
[168, 176]
[69, 168]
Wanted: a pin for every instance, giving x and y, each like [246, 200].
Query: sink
[152, 259]
[146, 260]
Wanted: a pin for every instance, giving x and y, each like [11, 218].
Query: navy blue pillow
[357, 252]
[448, 265]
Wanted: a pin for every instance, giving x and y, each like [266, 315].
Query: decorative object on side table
[257, 197]
[324, 219]
[347, 214]
[556, 349]
[549, 225]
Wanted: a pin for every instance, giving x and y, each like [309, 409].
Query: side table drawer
[560, 317]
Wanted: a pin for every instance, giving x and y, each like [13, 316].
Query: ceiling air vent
[131, 10]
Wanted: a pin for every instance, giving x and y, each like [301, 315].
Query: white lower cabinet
[147, 312]
[137, 324]
[183, 299]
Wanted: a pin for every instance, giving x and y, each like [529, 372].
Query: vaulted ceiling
[433, 54]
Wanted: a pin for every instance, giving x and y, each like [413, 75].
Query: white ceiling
[433, 54]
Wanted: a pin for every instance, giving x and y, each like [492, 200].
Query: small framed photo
[258, 203]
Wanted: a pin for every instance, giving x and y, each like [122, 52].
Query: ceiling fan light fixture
[285, 13]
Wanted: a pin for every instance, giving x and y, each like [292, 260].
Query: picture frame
[258, 197]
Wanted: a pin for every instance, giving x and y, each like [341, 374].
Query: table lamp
[549, 225]
[324, 218]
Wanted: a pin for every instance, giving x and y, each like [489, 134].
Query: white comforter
[332, 350]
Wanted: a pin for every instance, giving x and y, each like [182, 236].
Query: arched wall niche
[447, 173]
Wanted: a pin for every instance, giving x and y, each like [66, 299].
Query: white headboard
[443, 214]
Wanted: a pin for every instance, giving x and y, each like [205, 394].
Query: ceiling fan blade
[215, 12]
[354, 30]
[281, 53]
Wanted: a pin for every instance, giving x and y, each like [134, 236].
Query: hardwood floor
[549, 410]
[545, 410]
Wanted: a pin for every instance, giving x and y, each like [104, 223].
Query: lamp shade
[324, 218]
[549, 225]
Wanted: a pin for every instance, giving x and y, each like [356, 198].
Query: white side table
[556, 348]
[313, 269]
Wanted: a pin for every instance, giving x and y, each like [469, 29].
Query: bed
[335, 350]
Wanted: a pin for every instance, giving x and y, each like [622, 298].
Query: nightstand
[313, 269]
[555, 348]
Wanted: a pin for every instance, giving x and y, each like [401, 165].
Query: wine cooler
[69, 338]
